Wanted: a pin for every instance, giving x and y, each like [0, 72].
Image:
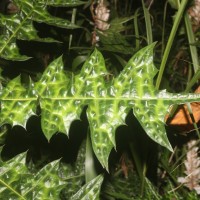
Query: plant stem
[73, 22]
[147, 23]
[191, 40]
[193, 120]
[170, 41]
[163, 29]
[139, 165]
[90, 170]
[194, 79]
[137, 35]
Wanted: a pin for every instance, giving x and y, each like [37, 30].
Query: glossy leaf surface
[20, 25]
[17, 182]
[62, 3]
[73, 174]
[56, 180]
[18, 104]
[62, 97]
[90, 190]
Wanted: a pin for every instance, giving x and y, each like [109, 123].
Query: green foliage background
[63, 79]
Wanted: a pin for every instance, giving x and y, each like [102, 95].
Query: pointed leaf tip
[90, 191]
[62, 97]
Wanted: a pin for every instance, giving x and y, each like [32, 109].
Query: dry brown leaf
[182, 116]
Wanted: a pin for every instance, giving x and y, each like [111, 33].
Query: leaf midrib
[13, 190]
[15, 32]
[183, 98]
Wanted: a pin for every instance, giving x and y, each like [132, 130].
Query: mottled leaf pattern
[90, 190]
[62, 3]
[73, 174]
[18, 104]
[54, 181]
[62, 97]
[20, 25]
[57, 112]
[16, 181]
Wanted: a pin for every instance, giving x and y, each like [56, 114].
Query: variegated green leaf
[64, 3]
[90, 190]
[74, 174]
[20, 25]
[53, 97]
[112, 40]
[18, 104]
[62, 97]
[16, 182]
